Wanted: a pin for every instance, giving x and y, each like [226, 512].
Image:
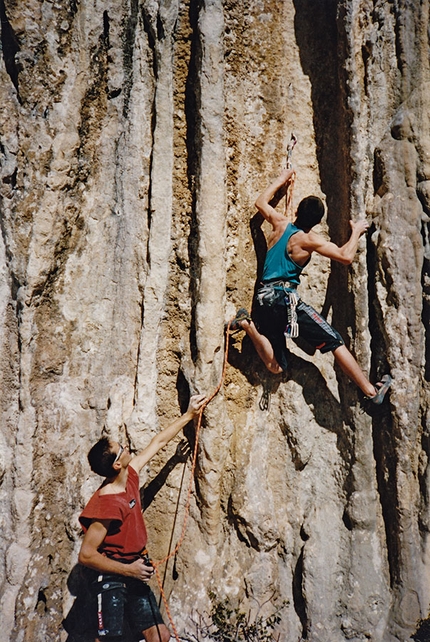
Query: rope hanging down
[190, 488]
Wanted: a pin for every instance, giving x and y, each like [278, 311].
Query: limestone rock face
[134, 139]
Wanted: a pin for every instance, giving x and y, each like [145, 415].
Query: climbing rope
[181, 485]
[171, 554]
[289, 195]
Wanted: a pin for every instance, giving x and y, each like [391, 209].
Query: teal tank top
[278, 264]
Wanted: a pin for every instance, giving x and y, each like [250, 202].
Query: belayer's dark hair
[309, 212]
[101, 458]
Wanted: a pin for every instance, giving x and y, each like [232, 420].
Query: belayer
[114, 544]
[280, 311]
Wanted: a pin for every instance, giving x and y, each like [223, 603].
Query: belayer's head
[309, 212]
[105, 457]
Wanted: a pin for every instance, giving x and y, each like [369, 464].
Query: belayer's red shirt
[126, 537]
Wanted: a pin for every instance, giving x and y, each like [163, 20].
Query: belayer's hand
[196, 402]
[140, 571]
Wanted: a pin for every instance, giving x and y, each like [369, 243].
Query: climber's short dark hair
[101, 458]
[309, 212]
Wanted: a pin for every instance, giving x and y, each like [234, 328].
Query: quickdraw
[290, 147]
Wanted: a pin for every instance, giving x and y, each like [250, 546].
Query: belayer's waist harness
[281, 293]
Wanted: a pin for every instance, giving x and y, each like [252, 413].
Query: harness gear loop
[292, 327]
[289, 195]
[282, 293]
[172, 553]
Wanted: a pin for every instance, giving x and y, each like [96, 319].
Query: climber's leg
[262, 345]
[322, 336]
[350, 367]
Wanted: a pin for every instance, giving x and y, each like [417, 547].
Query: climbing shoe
[241, 315]
[381, 388]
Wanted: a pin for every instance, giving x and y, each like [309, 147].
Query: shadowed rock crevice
[317, 38]
[10, 47]
[423, 474]
[386, 467]
[128, 38]
[384, 448]
[299, 600]
[14, 281]
[242, 528]
[69, 238]
[193, 121]
[317, 35]
[426, 296]
[151, 32]
[94, 106]
[379, 365]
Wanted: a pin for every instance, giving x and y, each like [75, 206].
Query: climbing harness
[157, 564]
[282, 293]
[289, 195]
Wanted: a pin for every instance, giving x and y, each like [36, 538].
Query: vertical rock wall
[134, 138]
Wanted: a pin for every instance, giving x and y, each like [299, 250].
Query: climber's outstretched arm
[262, 203]
[312, 242]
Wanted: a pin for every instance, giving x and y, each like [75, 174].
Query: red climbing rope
[289, 213]
[190, 488]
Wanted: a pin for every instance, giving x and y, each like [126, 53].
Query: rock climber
[115, 538]
[280, 313]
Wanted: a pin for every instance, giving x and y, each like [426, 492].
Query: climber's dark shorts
[121, 598]
[271, 322]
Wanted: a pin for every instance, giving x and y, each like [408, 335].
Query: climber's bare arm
[312, 242]
[262, 203]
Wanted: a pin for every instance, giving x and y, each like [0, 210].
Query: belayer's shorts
[271, 322]
[121, 599]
